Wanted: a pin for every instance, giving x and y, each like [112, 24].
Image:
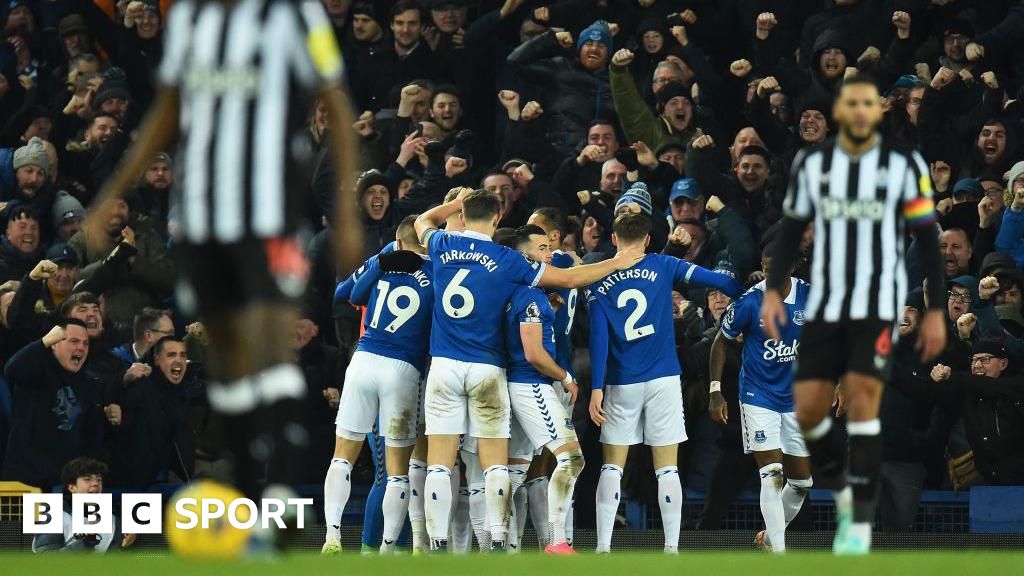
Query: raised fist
[870, 54]
[703, 141]
[564, 39]
[622, 57]
[975, 52]
[532, 111]
[966, 77]
[942, 78]
[940, 372]
[740, 68]
[714, 205]
[765, 22]
[766, 86]
[989, 78]
[901, 20]
[988, 287]
[584, 197]
[542, 14]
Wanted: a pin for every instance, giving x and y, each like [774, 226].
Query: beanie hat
[369, 9]
[596, 32]
[670, 91]
[905, 81]
[32, 154]
[992, 346]
[636, 195]
[1015, 172]
[726, 267]
[109, 90]
[371, 178]
[996, 260]
[66, 207]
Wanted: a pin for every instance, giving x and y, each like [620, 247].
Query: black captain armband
[400, 261]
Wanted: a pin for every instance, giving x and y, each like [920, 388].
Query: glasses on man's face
[994, 192]
[959, 296]
[982, 359]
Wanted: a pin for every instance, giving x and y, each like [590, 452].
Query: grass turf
[703, 563]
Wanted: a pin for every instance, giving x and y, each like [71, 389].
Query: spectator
[56, 414]
[151, 325]
[68, 216]
[29, 165]
[20, 248]
[408, 57]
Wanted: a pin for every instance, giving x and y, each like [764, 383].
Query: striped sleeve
[918, 205]
[798, 195]
[177, 38]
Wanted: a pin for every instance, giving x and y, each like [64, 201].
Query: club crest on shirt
[533, 312]
[798, 318]
[569, 424]
[760, 437]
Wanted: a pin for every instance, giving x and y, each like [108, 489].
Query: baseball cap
[915, 299]
[684, 188]
[514, 163]
[969, 185]
[61, 253]
[70, 24]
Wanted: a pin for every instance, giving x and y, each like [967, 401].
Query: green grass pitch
[687, 563]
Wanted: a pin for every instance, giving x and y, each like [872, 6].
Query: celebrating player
[767, 419]
[539, 418]
[466, 387]
[633, 359]
[862, 192]
[383, 377]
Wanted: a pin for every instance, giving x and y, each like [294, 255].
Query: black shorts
[219, 278]
[828, 350]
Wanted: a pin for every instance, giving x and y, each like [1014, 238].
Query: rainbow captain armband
[920, 211]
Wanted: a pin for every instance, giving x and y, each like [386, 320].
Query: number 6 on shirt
[455, 288]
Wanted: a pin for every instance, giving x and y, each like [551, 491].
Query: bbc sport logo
[143, 513]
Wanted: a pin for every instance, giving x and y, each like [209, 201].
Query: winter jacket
[57, 416]
[576, 96]
[638, 120]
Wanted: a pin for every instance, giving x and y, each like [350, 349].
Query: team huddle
[498, 388]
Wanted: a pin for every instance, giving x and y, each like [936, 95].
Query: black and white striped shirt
[861, 207]
[246, 72]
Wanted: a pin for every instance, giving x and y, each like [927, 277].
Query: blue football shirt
[632, 334]
[766, 375]
[474, 278]
[565, 314]
[399, 307]
[528, 306]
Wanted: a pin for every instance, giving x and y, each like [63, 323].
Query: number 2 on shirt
[634, 332]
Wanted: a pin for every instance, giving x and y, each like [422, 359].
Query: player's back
[527, 306]
[246, 73]
[766, 375]
[637, 303]
[474, 279]
[399, 308]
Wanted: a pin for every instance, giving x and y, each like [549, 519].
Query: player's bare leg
[863, 396]
[259, 390]
[417, 479]
[609, 488]
[569, 458]
[813, 400]
[437, 491]
[493, 454]
[398, 492]
[670, 493]
[337, 488]
[536, 493]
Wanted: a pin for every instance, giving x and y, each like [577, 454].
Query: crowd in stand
[687, 111]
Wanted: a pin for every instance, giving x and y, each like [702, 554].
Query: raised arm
[587, 274]
[436, 216]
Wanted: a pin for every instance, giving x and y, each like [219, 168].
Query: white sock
[569, 521]
[517, 517]
[608, 488]
[478, 516]
[670, 500]
[462, 530]
[337, 487]
[861, 530]
[560, 489]
[394, 507]
[437, 502]
[793, 496]
[520, 506]
[771, 506]
[498, 498]
[417, 477]
[537, 499]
